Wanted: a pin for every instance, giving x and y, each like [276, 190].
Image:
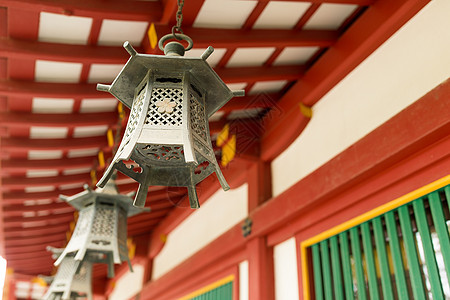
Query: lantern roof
[137, 67]
[82, 199]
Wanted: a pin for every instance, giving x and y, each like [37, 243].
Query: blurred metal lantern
[171, 98]
[101, 228]
[72, 280]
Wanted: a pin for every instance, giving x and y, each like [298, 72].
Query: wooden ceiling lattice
[53, 122]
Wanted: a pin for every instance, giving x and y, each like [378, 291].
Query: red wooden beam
[251, 101]
[55, 210]
[115, 9]
[45, 89]
[57, 164]
[26, 49]
[12, 183]
[203, 37]
[368, 32]
[265, 73]
[30, 241]
[11, 119]
[80, 90]
[16, 197]
[234, 38]
[18, 144]
[23, 223]
[24, 232]
[31, 248]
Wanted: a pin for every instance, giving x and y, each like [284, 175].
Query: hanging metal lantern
[101, 228]
[72, 280]
[171, 98]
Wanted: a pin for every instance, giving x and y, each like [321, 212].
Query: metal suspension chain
[179, 17]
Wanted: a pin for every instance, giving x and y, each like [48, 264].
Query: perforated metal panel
[165, 119]
[197, 117]
[155, 152]
[136, 110]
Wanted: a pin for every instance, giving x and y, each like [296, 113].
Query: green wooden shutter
[401, 254]
[223, 292]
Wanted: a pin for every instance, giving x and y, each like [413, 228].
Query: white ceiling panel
[237, 86]
[230, 14]
[38, 189]
[281, 15]
[53, 71]
[52, 105]
[98, 105]
[76, 171]
[250, 57]
[44, 154]
[267, 86]
[71, 186]
[58, 28]
[41, 173]
[38, 132]
[82, 152]
[295, 55]
[37, 202]
[213, 59]
[103, 72]
[88, 131]
[330, 16]
[116, 32]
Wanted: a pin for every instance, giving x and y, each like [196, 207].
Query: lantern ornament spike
[170, 98]
[101, 229]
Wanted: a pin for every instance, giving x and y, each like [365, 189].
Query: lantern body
[171, 99]
[72, 280]
[101, 228]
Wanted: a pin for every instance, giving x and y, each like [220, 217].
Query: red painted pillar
[260, 270]
[259, 184]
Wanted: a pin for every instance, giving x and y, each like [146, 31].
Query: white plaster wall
[404, 68]
[129, 284]
[243, 280]
[285, 270]
[221, 212]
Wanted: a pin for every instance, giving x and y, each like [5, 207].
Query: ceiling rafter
[24, 224]
[113, 9]
[16, 119]
[23, 182]
[57, 164]
[36, 247]
[46, 239]
[203, 37]
[18, 144]
[234, 38]
[86, 90]
[28, 222]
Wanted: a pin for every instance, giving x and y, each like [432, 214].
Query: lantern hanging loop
[179, 18]
[180, 37]
[177, 33]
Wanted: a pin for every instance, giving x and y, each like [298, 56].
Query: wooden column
[260, 269]
[259, 184]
